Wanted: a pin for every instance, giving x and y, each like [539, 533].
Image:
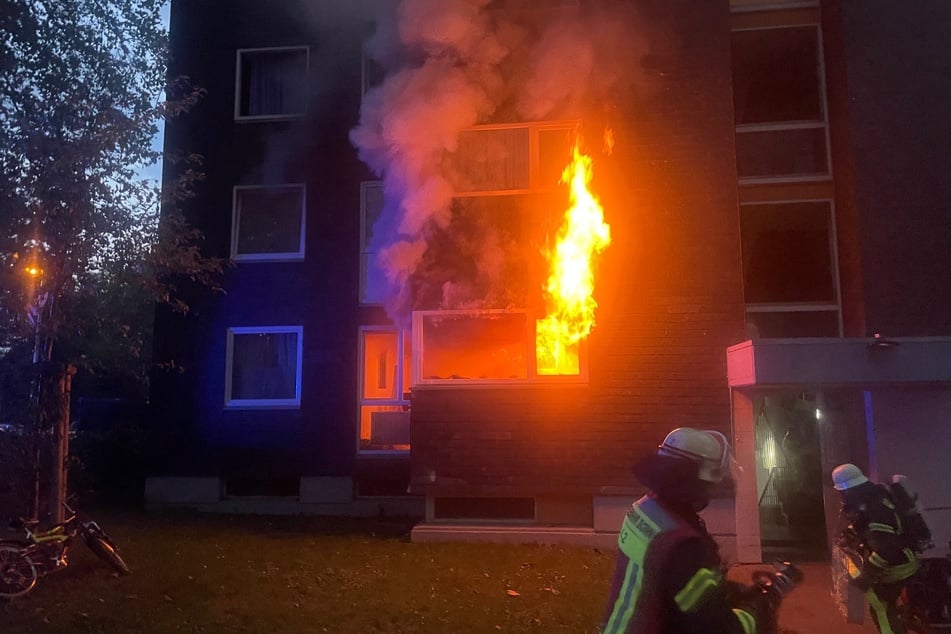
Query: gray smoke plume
[453, 64]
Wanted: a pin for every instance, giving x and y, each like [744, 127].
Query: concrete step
[513, 534]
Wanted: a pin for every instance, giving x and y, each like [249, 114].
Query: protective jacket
[668, 578]
[886, 555]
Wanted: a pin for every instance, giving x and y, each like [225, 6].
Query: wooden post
[59, 381]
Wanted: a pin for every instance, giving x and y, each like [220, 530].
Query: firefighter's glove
[762, 605]
[861, 582]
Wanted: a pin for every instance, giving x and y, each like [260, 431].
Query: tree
[82, 85]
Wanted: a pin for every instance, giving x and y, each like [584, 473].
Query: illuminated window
[271, 83]
[372, 278]
[384, 382]
[789, 272]
[263, 366]
[268, 223]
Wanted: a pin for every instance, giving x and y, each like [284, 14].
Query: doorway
[789, 476]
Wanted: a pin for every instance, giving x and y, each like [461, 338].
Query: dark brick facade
[669, 290]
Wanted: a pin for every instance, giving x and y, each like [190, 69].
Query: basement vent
[503, 509]
[261, 487]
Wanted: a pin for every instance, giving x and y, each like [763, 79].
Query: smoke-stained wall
[453, 64]
[669, 290]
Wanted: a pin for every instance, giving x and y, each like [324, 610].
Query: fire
[569, 291]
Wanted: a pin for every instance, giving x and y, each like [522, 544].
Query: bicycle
[24, 562]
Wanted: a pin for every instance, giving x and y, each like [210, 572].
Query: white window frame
[289, 256]
[261, 403]
[362, 402]
[534, 128]
[808, 307]
[237, 84]
[780, 126]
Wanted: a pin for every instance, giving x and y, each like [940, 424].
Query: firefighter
[879, 559]
[669, 577]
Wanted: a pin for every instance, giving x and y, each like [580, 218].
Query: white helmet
[708, 448]
[846, 476]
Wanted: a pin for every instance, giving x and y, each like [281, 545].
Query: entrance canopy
[839, 362]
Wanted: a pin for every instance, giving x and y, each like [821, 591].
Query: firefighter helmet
[707, 448]
[846, 476]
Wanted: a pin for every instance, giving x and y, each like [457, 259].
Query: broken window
[481, 346]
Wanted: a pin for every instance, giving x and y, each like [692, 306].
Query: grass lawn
[209, 573]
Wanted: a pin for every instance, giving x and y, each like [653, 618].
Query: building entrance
[789, 476]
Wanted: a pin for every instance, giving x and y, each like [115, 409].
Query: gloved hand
[763, 605]
[861, 582]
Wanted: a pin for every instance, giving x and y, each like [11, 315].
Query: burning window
[485, 346]
[263, 366]
[384, 382]
[271, 83]
[268, 223]
[508, 345]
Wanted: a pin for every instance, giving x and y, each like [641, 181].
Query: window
[372, 73]
[263, 366]
[384, 382]
[789, 271]
[373, 283]
[484, 347]
[268, 223]
[512, 158]
[271, 83]
[779, 104]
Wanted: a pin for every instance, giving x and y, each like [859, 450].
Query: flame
[569, 292]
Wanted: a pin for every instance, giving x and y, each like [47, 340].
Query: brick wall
[669, 289]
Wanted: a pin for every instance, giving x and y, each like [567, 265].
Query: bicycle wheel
[17, 572]
[107, 552]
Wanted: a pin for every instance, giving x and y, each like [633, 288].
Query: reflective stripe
[881, 528]
[746, 620]
[880, 611]
[694, 590]
[888, 503]
[877, 560]
[637, 531]
[624, 605]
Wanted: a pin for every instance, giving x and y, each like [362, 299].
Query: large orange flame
[569, 292]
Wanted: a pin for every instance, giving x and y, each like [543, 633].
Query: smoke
[453, 64]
